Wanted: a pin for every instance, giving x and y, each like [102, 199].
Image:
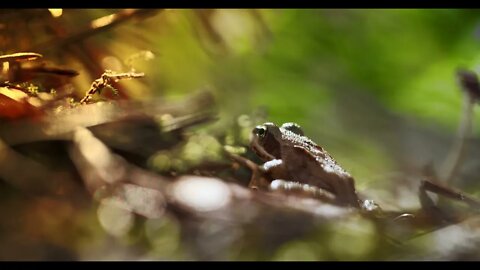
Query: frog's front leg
[273, 169]
[259, 176]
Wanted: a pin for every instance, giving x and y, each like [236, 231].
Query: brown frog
[296, 164]
[293, 159]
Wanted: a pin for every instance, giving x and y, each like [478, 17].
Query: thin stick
[107, 78]
[451, 193]
[21, 56]
[454, 159]
[471, 91]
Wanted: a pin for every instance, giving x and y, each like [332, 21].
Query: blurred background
[376, 88]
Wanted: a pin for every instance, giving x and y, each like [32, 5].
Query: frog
[293, 160]
[294, 163]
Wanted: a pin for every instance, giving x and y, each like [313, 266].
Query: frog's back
[310, 164]
[317, 153]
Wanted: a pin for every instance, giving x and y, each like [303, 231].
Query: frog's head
[267, 139]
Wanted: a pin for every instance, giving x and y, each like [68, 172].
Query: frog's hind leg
[345, 186]
[303, 190]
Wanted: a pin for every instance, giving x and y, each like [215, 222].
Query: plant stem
[454, 159]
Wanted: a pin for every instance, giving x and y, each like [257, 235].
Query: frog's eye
[260, 131]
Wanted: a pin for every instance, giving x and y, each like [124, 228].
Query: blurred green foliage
[306, 65]
[404, 58]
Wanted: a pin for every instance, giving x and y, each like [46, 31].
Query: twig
[457, 152]
[51, 70]
[13, 86]
[471, 88]
[107, 78]
[22, 56]
[451, 193]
